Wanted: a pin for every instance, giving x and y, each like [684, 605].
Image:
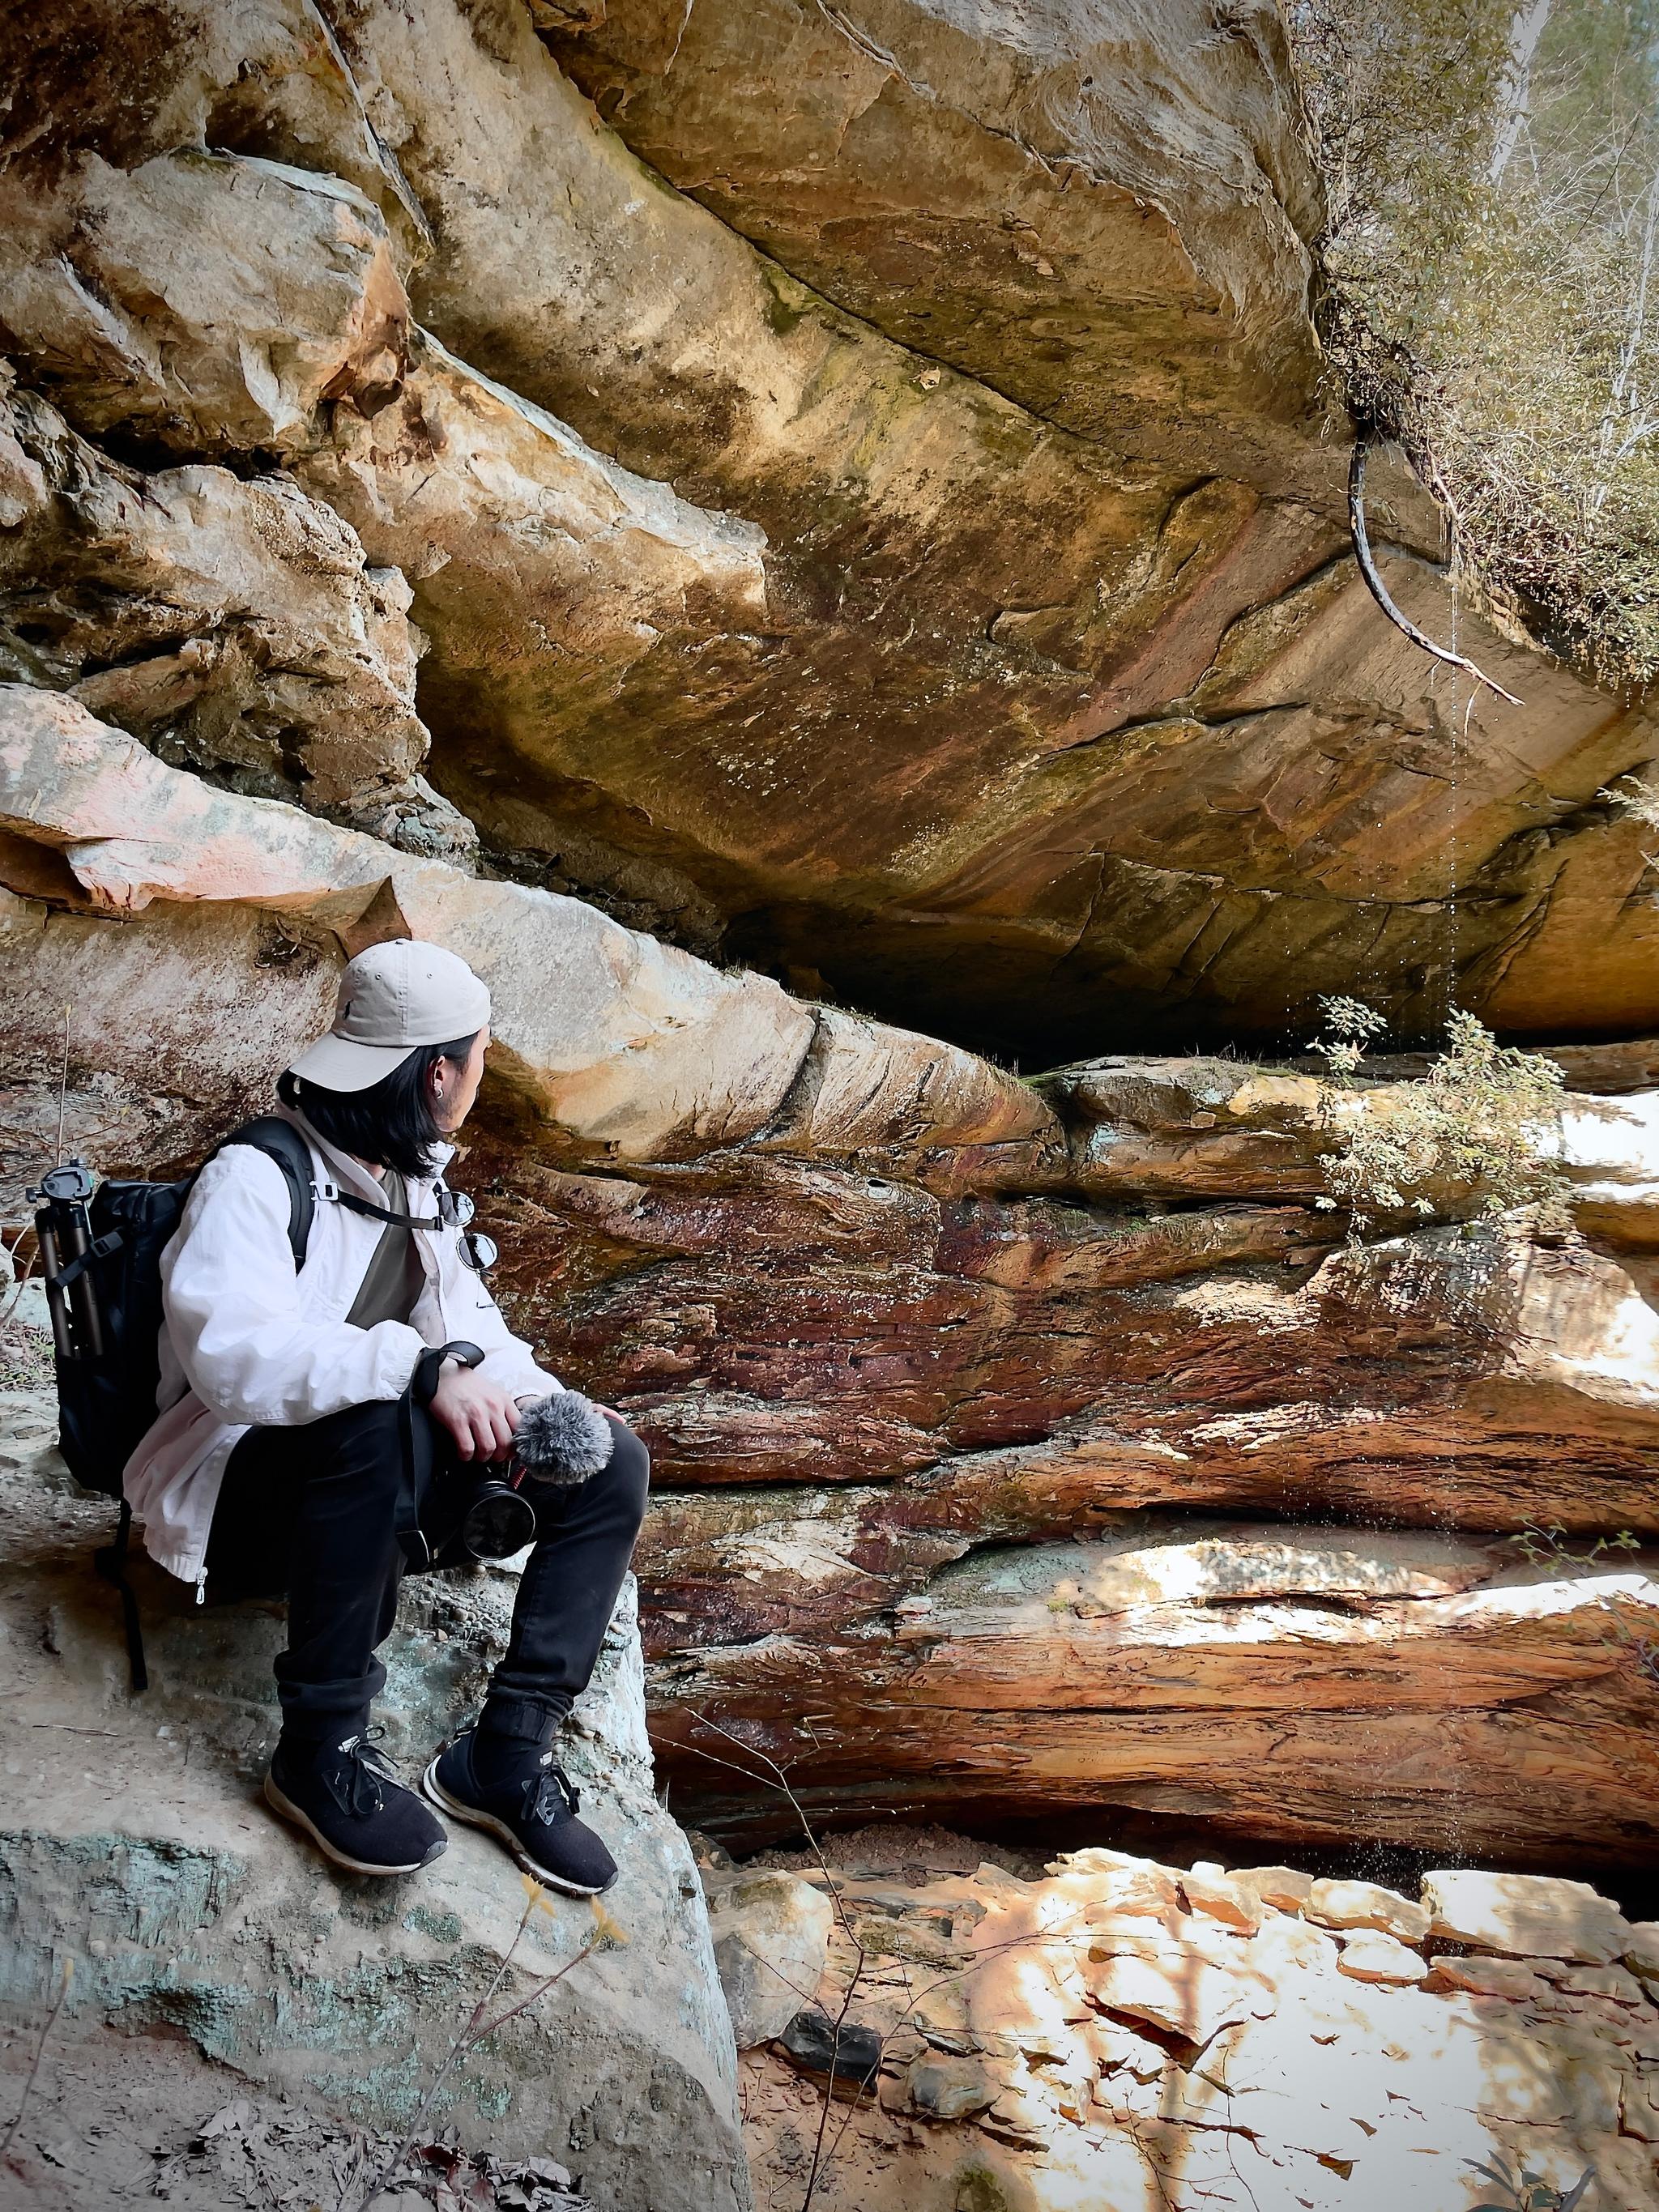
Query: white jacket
[249, 1343]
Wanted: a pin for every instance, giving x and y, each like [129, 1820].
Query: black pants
[313, 1512]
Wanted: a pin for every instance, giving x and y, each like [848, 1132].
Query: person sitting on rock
[295, 1454]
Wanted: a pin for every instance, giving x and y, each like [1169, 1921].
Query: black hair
[392, 1122]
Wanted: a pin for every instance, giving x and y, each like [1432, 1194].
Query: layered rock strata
[1297, 1685]
[1113, 2031]
[882, 1311]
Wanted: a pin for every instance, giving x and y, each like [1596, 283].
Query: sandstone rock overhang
[904, 1332]
[1018, 687]
[1096, 209]
[159, 890]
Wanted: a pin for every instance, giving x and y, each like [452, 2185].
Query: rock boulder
[771, 1937]
[139, 1858]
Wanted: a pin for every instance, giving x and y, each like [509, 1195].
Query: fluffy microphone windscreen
[562, 1438]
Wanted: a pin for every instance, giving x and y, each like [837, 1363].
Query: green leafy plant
[1480, 1131]
[1350, 1026]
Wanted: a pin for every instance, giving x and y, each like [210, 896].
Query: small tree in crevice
[1479, 1133]
[1489, 289]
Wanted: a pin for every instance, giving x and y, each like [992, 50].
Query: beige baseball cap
[394, 998]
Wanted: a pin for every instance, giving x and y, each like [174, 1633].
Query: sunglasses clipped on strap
[479, 1251]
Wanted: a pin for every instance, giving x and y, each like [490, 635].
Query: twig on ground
[479, 2027]
[39, 2053]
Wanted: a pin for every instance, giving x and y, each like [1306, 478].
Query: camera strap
[416, 1478]
[455, 1211]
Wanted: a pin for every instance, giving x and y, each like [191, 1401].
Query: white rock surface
[1369, 1956]
[1525, 1915]
[771, 1937]
[1292, 2070]
[288, 292]
[1365, 1904]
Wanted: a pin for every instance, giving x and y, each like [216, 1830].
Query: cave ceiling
[867, 494]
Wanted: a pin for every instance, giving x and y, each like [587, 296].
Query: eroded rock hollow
[810, 547]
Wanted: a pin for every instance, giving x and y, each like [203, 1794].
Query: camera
[563, 1439]
[498, 1520]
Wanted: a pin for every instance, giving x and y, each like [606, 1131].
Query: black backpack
[106, 1388]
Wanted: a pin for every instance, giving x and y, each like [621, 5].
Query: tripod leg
[110, 1561]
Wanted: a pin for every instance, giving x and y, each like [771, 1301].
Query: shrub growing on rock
[1479, 1133]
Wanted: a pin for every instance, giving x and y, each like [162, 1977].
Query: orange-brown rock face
[865, 492]
[853, 493]
[989, 1475]
[851, 1560]
[1271, 1681]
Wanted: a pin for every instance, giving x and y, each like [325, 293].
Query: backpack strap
[280, 1141]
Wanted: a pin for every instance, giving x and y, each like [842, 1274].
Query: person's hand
[480, 1414]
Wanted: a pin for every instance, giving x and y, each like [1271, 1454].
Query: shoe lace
[357, 1783]
[550, 1795]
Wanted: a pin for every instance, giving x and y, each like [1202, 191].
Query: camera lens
[498, 1522]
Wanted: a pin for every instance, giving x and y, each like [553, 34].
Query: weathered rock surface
[290, 296]
[1202, 1359]
[905, 161]
[138, 1856]
[791, 1244]
[234, 625]
[771, 1940]
[1183, 1128]
[625, 1049]
[1551, 1919]
[981, 704]
[1273, 1681]
[1143, 2055]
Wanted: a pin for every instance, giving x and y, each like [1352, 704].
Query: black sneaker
[353, 1807]
[534, 1815]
